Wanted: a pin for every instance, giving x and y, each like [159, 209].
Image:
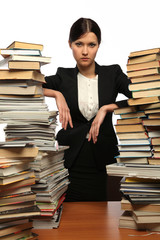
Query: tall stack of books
[29, 133]
[138, 161]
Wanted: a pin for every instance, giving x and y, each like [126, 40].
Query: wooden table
[92, 221]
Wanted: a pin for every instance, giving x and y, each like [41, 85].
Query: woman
[85, 97]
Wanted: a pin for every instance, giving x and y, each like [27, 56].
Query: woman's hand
[64, 112]
[98, 120]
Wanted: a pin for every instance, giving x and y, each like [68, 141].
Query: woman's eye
[78, 44]
[92, 44]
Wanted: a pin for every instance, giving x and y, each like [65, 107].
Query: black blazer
[111, 81]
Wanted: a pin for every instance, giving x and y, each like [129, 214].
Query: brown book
[136, 160]
[145, 78]
[144, 100]
[22, 75]
[29, 90]
[133, 115]
[24, 65]
[125, 110]
[145, 72]
[151, 122]
[144, 86]
[145, 58]
[154, 161]
[25, 45]
[150, 106]
[13, 168]
[142, 66]
[134, 135]
[129, 121]
[129, 128]
[146, 93]
[144, 52]
[146, 217]
[18, 152]
[155, 141]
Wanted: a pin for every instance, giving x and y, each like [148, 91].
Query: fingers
[94, 132]
[65, 118]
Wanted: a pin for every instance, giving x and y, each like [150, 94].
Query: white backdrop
[126, 26]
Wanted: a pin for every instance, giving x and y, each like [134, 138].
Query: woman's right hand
[64, 112]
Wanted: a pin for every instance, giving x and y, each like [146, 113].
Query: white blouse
[88, 96]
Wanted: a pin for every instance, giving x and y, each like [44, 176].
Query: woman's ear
[70, 44]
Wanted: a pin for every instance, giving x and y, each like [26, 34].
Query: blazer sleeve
[52, 82]
[122, 83]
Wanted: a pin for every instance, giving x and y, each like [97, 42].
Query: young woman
[86, 97]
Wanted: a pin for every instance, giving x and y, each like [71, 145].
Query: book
[146, 78]
[15, 229]
[144, 86]
[25, 45]
[146, 217]
[144, 72]
[125, 110]
[13, 168]
[147, 171]
[135, 160]
[129, 121]
[27, 196]
[144, 52]
[144, 100]
[129, 128]
[132, 135]
[22, 75]
[126, 220]
[155, 141]
[19, 152]
[150, 106]
[22, 65]
[133, 147]
[154, 161]
[21, 212]
[135, 142]
[146, 93]
[29, 90]
[7, 52]
[24, 234]
[144, 58]
[25, 58]
[151, 122]
[133, 115]
[16, 177]
[142, 66]
[134, 154]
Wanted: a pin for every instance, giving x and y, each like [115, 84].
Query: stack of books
[51, 184]
[139, 151]
[30, 129]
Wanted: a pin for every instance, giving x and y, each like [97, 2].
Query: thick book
[22, 75]
[143, 100]
[146, 78]
[25, 45]
[144, 58]
[144, 52]
[141, 66]
[28, 152]
[144, 72]
[16, 177]
[9, 169]
[146, 93]
[15, 229]
[18, 90]
[144, 86]
[125, 110]
[135, 160]
[129, 128]
[132, 135]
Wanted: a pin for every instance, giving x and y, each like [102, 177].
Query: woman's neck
[88, 72]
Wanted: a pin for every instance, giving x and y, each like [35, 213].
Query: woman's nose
[85, 50]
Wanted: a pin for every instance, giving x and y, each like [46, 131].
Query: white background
[127, 25]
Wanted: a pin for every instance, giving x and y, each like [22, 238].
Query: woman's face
[85, 49]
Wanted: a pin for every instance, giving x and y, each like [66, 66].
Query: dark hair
[82, 26]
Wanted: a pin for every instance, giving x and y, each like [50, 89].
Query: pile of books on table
[29, 138]
[138, 131]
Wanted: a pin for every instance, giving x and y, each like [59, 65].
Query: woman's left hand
[94, 130]
[99, 118]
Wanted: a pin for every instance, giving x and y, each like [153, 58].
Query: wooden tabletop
[92, 221]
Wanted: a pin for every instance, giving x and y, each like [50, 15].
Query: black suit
[111, 81]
